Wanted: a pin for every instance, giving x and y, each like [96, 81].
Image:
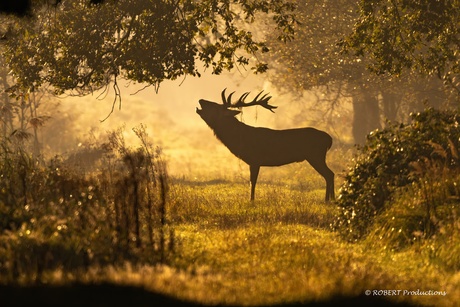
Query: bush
[54, 215]
[424, 214]
[389, 161]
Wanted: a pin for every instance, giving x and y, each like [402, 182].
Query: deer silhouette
[258, 146]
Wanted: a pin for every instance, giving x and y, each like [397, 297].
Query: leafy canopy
[78, 46]
[421, 35]
[313, 58]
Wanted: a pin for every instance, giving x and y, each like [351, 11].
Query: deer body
[258, 146]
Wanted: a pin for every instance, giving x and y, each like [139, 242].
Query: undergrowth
[53, 215]
[403, 189]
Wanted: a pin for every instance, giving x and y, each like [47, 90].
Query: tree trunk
[366, 114]
[390, 104]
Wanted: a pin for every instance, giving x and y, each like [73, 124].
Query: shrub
[388, 162]
[424, 214]
[426, 209]
[53, 215]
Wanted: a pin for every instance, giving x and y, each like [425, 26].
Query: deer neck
[229, 131]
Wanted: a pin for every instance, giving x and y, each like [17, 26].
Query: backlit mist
[187, 143]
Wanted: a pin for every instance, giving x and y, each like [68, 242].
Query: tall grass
[54, 216]
[425, 215]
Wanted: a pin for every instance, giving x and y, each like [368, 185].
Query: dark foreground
[114, 295]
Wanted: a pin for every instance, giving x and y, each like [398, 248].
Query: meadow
[281, 249]
[197, 240]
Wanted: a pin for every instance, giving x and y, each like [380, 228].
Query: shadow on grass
[115, 295]
[200, 183]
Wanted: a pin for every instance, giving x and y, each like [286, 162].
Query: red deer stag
[263, 146]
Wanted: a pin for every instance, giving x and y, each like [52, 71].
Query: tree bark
[366, 114]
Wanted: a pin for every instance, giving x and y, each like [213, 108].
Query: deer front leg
[254, 171]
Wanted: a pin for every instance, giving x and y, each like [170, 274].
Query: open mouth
[198, 110]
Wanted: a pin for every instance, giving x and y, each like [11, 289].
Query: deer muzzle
[203, 104]
[198, 110]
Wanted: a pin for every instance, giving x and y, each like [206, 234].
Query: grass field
[279, 250]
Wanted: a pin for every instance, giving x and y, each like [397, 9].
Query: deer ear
[233, 112]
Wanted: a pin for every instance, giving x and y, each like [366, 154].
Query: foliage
[55, 216]
[82, 48]
[314, 60]
[425, 214]
[387, 162]
[418, 35]
[313, 57]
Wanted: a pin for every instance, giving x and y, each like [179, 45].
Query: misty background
[169, 115]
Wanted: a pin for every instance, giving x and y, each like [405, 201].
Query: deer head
[212, 111]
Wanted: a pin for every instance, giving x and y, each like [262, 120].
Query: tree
[314, 59]
[422, 36]
[19, 118]
[79, 47]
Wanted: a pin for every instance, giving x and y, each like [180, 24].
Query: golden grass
[279, 249]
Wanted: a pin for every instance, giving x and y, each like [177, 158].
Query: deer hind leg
[254, 171]
[321, 167]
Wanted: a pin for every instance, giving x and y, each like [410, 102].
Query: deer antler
[227, 102]
[263, 101]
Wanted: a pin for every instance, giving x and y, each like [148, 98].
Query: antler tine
[229, 99]
[224, 100]
[255, 98]
[243, 97]
[263, 101]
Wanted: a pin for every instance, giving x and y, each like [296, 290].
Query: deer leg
[330, 187]
[254, 171]
[321, 167]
